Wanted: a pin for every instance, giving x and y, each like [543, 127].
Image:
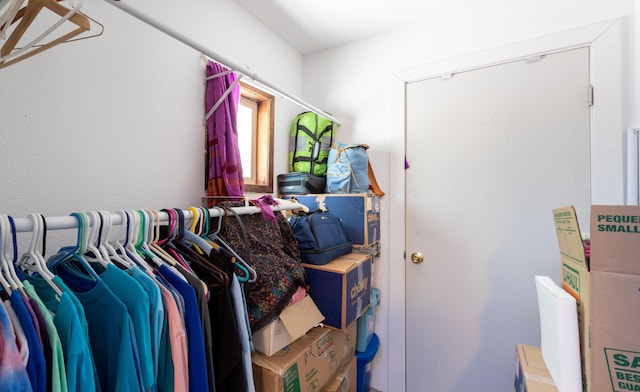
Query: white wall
[115, 122]
[352, 82]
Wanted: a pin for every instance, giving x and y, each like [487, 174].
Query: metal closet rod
[216, 57]
[69, 222]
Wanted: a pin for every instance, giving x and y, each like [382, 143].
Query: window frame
[262, 179]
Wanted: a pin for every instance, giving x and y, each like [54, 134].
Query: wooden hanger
[26, 17]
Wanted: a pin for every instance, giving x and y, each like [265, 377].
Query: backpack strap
[373, 183]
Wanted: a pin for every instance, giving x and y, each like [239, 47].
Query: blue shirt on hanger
[36, 365]
[198, 380]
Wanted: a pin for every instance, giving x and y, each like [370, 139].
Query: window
[255, 138]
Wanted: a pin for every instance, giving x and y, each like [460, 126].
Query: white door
[491, 152]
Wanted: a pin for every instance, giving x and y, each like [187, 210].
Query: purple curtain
[224, 170]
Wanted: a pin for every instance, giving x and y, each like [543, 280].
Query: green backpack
[309, 143]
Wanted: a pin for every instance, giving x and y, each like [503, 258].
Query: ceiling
[313, 25]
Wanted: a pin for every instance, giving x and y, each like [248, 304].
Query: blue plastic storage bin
[366, 322]
[364, 363]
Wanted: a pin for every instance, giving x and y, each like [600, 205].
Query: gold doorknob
[417, 257]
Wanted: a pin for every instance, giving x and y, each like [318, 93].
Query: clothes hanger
[9, 15]
[143, 240]
[9, 55]
[76, 252]
[116, 249]
[105, 247]
[153, 243]
[20, 13]
[172, 235]
[221, 278]
[12, 277]
[33, 261]
[93, 253]
[250, 273]
[195, 222]
[206, 216]
[133, 231]
[7, 286]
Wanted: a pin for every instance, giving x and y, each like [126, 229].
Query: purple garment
[264, 203]
[224, 172]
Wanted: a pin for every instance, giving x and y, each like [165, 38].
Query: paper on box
[559, 334]
[294, 321]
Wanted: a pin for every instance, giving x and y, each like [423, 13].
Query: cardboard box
[308, 364]
[531, 372]
[346, 380]
[294, 321]
[606, 288]
[360, 213]
[341, 288]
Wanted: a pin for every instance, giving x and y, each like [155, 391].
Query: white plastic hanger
[105, 246]
[33, 261]
[92, 240]
[7, 261]
[4, 272]
[119, 247]
[133, 231]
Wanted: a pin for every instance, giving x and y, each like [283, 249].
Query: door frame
[605, 41]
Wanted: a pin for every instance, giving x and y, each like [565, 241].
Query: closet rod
[70, 222]
[216, 57]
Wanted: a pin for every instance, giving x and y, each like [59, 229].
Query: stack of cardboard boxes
[293, 353]
[606, 286]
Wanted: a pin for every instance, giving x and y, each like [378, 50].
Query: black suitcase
[300, 183]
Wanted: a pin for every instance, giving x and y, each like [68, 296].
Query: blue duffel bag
[321, 237]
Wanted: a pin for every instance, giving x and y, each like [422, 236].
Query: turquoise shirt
[78, 358]
[136, 300]
[156, 317]
[111, 332]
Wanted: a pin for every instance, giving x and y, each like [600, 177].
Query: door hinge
[590, 96]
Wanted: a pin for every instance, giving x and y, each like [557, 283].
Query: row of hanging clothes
[152, 307]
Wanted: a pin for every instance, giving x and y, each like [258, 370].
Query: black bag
[300, 183]
[271, 249]
[321, 237]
